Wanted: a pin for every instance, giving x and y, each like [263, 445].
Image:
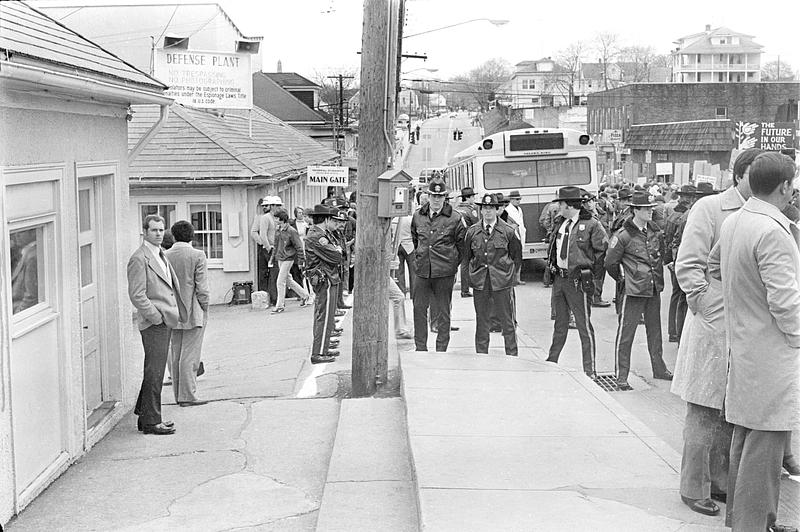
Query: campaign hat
[322, 210]
[687, 190]
[641, 198]
[490, 200]
[340, 216]
[624, 193]
[437, 187]
[514, 194]
[705, 189]
[501, 199]
[587, 196]
[569, 193]
[467, 192]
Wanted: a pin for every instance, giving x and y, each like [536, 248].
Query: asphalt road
[436, 145]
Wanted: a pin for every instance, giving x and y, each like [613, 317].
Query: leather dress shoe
[338, 329]
[321, 359]
[624, 387]
[140, 425]
[701, 506]
[602, 303]
[466, 294]
[335, 334]
[454, 328]
[781, 528]
[340, 312]
[333, 341]
[333, 353]
[721, 497]
[159, 429]
[192, 403]
[791, 466]
[665, 376]
[344, 306]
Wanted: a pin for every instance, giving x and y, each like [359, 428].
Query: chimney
[708, 27]
[280, 66]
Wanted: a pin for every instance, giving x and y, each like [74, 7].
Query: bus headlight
[487, 144]
[584, 139]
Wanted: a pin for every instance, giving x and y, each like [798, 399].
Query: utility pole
[336, 129]
[379, 52]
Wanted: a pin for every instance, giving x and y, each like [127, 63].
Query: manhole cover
[607, 381]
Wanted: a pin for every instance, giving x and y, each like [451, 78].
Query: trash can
[241, 292]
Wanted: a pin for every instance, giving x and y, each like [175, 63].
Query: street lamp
[496, 22]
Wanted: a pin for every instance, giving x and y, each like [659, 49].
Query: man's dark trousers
[754, 479]
[272, 287]
[500, 304]
[567, 296]
[599, 280]
[263, 269]
[325, 295]
[632, 309]
[436, 293]
[677, 308]
[155, 340]
[464, 277]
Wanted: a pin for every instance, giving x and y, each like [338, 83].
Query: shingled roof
[27, 32]
[290, 79]
[695, 135]
[270, 96]
[196, 145]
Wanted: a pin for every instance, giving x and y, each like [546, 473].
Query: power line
[167, 26]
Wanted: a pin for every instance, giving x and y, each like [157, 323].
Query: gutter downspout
[152, 132]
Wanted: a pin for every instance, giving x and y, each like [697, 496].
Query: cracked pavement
[253, 459]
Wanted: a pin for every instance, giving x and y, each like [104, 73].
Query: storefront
[66, 338]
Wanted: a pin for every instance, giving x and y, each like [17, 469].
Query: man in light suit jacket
[187, 338]
[153, 290]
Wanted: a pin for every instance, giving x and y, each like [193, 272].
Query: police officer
[340, 219]
[673, 229]
[575, 255]
[622, 215]
[493, 252]
[635, 259]
[438, 235]
[591, 205]
[469, 216]
[323, 261]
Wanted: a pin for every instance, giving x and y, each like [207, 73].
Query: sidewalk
[255, 457]
[502, 443]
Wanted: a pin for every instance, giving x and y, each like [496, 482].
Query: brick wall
[648, 103]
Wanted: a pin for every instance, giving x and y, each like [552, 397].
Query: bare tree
[329, 94]
[607, 47]
[637, 62]
[483, 81]
[777, 71]
[569, 60]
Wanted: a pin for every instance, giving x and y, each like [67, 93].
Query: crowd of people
[733, 258]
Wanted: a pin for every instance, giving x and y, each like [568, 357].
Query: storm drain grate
[607, 381]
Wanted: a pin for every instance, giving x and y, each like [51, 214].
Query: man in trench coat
[759, 265]
[701, 366]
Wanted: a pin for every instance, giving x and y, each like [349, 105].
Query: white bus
[535, 161]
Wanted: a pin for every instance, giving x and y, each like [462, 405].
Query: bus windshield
[541, 173]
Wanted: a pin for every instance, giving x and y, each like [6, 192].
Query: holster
[587, 281]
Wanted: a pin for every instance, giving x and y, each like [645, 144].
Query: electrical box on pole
[394, 194]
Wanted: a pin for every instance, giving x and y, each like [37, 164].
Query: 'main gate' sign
[327, 176]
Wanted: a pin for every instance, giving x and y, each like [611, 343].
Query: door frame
[105, 175]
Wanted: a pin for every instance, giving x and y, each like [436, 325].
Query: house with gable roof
[720, 55]
[211, 168]
[70, 358]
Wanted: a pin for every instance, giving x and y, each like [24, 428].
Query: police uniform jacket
[586, 248]
[438, 242]
[469, 213]
[322, 253]
[674, 225]
[639, 257]
[496, 254]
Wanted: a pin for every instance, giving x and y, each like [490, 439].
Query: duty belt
[562, 272]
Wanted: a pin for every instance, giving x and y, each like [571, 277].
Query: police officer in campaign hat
[591, 205]
[469, 216]
[575, 256]
[340, 206]
[635, 258]
[438, 235]
[493, 253]
[323, 261]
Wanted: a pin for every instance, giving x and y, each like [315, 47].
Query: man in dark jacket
[438, 235]
[493, 253]
[635, 259]
[672, 236]
[469, 216]
[323, 261]
[590, 203]
[575, 255]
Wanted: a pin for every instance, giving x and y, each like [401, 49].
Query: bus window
[511, 174]
[563, 172]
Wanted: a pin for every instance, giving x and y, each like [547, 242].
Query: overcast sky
[324, 35]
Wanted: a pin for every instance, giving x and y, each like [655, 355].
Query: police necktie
[565, 241]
